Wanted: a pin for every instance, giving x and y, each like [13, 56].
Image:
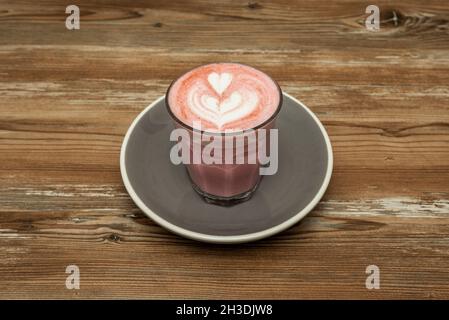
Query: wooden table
[68, 97]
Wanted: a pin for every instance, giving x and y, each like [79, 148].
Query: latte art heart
[219, 81]
[214, 105]
[231, 103]
[221, 111]
[224, 96]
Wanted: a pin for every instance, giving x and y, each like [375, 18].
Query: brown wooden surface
[68, 97]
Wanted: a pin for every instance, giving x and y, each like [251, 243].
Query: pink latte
[224, 97]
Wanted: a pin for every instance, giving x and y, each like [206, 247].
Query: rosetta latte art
[217, 109]
[224, 97]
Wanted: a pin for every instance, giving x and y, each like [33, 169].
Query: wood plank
[229, 25]
[324, 256]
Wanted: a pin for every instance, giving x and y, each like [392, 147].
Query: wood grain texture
[68, 97]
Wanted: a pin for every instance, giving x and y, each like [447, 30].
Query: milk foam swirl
[224, 96]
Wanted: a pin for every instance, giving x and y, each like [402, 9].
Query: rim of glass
[271, 118]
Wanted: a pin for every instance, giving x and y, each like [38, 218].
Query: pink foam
[248, 100]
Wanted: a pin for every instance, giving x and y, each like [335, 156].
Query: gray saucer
[164, 193]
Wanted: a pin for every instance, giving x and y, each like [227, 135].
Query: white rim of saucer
[226, 239]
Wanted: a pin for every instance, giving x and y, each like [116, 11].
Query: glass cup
[230, 171]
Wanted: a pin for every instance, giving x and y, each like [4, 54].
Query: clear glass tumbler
[239, 156]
